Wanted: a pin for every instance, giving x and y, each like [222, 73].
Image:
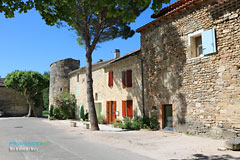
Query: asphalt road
[45, 142]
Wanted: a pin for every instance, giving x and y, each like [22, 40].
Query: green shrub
[154, 124]
[82, 115]
[45, 112]
[86, 117]
[137, 124]
[66, 103]
[51, 111]
[127, 123]
[117, 124]
[57, 114]
[52, 118]
[101, 119]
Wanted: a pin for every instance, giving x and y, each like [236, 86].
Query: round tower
[59, 80]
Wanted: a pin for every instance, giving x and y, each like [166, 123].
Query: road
[50, 143]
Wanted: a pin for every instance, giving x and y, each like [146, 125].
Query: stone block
[233, 144]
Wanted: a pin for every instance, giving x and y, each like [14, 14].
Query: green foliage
[86, 117]
[45, 92]
[45, 112]
[82, 115]
[52, 118]
[51, 111]
[118, 124]
[8, 7]
[57, 114]
[139, 123]
[154, 124]
[30, 84]
[101, 119]
[66, 104]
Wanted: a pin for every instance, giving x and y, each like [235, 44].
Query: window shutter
[110, 78]
[123, 108]
[209, 41]
[129, 78]
[123, 79]
[114, 111]
[130, 108]
[107, 112]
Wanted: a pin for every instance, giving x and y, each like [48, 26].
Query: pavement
[34, 139]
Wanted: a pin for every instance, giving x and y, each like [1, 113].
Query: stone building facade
[59, 80]
[12, 103]
[113, 99]
[191, 58]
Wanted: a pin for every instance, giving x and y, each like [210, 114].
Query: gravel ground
[161, 145]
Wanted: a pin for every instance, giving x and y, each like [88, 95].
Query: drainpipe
[143, 110]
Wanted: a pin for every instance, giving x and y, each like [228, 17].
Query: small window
[96, 96]
[202, 43]
[110, 78]
[78, 77]
[127, 78]
[60, 89]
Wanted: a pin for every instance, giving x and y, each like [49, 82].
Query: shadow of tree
[214, 157]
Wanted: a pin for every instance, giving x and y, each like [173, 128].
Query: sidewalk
[161, 145]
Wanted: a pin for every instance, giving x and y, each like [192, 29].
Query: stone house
[117, 85]
[12, 103]
[191, 55]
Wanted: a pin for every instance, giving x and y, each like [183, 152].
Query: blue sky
[27, 43]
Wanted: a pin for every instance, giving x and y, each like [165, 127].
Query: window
[110, 78]
[127, 78]
[202, 43]
[127, 108]
[78, 77]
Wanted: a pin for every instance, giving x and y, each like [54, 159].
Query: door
[98, 107]
[168, 118]
[111, 111]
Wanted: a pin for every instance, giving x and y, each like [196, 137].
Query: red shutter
[107, 112]
[123, 79]
[123, 108]
[114, 111]
[110, 78]
[129, 78]
[130, 108]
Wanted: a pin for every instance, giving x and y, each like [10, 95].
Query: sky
[27, 43]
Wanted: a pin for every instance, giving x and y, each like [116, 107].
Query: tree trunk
[31, 106]
[91, 105]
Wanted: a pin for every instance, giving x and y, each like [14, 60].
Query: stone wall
[205, 90]
[59, 80]
[12, 103]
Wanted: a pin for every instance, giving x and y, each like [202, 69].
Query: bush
[51, 111]
[127, 123]
[137, 124]
[154, 124]
[101, 119]
[86, 117]
[57, 114]
[66, 103]
[45, 112]
[118, 124]
[82, 115]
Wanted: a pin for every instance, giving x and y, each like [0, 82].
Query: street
[32, 139]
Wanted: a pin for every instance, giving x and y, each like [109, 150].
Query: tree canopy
[30, 84]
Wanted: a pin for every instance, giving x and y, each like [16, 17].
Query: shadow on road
[214, 157]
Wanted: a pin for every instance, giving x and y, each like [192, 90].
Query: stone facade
[104, 93]
[12, 103]
[204, 90]
[59, 80]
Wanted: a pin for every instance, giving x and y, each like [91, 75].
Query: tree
[45, 92]
[94, 21]
[30, 84]
[8, 7]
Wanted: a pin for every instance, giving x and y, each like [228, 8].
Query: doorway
[167, 117]
[98, 107]
[111, 111]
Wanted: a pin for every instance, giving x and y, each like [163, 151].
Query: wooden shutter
[129, 78]
[130, 108]
[114, 111]
[209, 41]
[123, 79]
[123, 108]
[110, 78]
[107, 112]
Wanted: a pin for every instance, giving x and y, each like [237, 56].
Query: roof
[170, 11]
[102, 64]
[2, 82]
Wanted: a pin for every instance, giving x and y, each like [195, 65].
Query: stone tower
[59, 81]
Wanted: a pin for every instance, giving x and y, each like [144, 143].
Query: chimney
[116, 53]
